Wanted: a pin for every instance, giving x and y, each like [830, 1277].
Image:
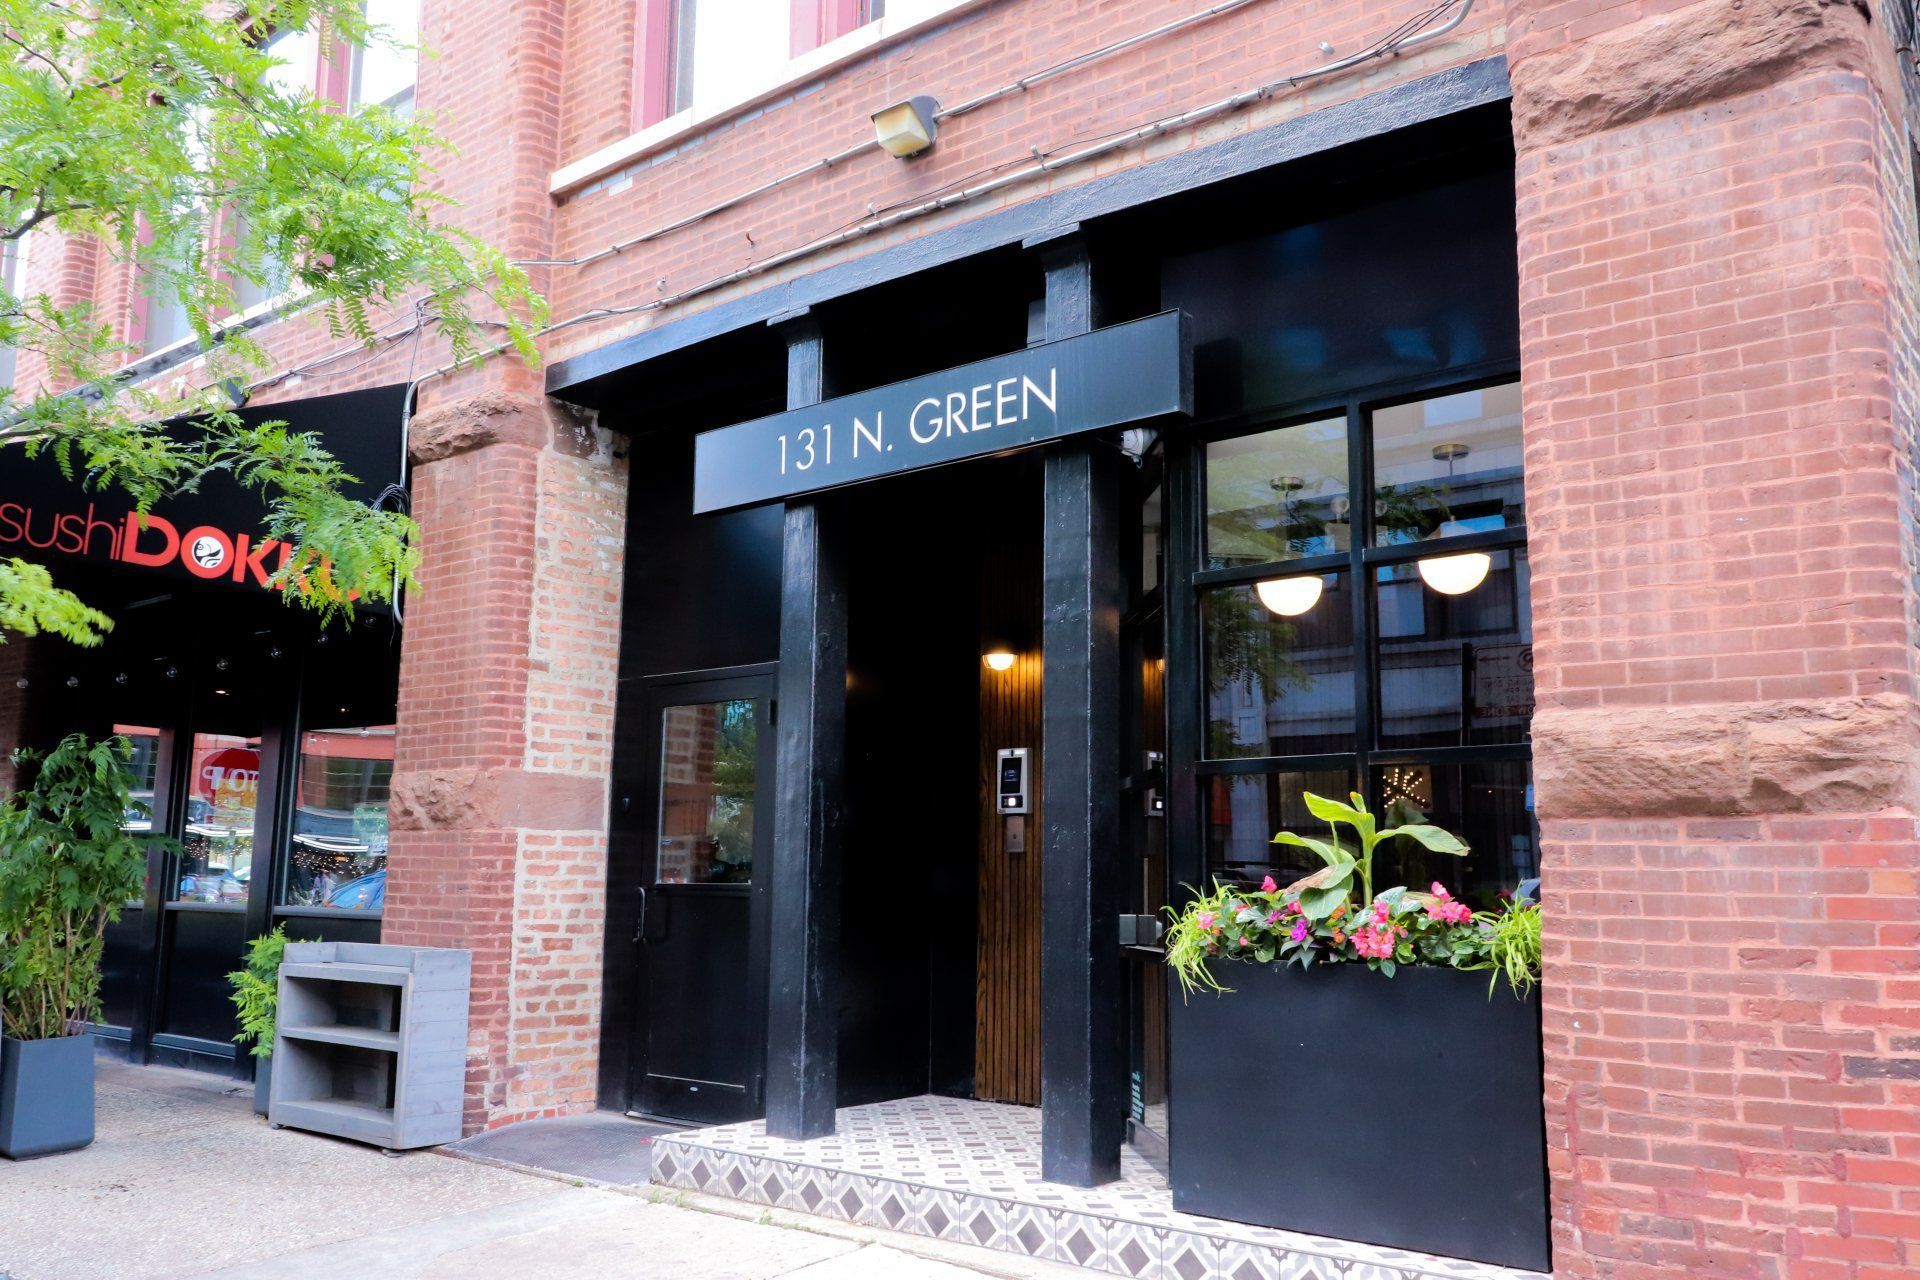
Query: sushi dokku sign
[1118, 376]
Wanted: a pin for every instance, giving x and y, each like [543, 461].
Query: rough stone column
[507, 671]
[1716, 222]
[499, 805]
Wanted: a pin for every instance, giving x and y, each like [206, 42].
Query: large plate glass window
[223, 794]
[337, 850]
[1385, 643]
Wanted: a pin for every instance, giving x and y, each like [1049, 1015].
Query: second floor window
[707, 55]
[383, 75]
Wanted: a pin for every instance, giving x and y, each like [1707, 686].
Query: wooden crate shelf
[370, 1042]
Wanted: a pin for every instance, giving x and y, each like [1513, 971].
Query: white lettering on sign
[1008, 402]
[1128, 373]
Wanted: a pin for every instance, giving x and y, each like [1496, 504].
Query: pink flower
[1445, 909]
[1204, 919]
[1267, 885]
[1299, 933]
[1273, 917]
[1245, 942]
[1294, 907]
[1379, 911]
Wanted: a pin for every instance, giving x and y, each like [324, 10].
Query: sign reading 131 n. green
[1124, 374]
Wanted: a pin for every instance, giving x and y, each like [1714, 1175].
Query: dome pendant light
[1457, 574]
[1290, 597]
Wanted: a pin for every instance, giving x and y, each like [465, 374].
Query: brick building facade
[1714, 212]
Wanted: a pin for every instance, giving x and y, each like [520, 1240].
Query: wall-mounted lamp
[999, 659]
[1290, 597]
[907, 128]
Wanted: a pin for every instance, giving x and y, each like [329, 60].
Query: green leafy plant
[256, 991]
[1333, 885]
[165, 132]
[1334, 916]
[67, 864]
[1513, 945]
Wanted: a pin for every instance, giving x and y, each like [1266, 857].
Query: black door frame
[756, 682]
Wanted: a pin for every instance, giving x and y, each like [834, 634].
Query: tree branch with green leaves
[166, 132]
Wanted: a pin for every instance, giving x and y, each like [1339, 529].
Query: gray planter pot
[46, 1095]
[262, 1085]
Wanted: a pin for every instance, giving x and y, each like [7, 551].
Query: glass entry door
[700, 1038]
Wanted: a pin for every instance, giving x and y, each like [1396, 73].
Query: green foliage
[149, 123]
[30, 604]
[1318, 919]
[66, 867]
[256, 991]
[1333, 886]
[1513, 945]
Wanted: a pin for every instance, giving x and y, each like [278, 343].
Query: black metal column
[811, 729]
[1082, 983]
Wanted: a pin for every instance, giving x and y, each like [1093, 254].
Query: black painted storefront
[1363, 275]
[263, 739]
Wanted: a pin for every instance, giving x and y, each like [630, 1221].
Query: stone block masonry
[499, 803]
[1715, 210]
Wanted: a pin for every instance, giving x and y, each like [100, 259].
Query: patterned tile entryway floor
[970, 1171]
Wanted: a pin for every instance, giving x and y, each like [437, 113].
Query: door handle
[640, 930]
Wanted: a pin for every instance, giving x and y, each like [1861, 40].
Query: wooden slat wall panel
[1007, 1013]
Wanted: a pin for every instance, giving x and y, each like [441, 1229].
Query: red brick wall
[1715, 218]
[982, 47]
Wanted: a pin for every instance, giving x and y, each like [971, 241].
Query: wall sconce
[999, 658]
[907, 128]
[1290, 597]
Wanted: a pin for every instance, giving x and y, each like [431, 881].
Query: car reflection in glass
[215, 886]
[368, 893]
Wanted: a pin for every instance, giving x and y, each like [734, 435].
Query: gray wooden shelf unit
[371, 1042]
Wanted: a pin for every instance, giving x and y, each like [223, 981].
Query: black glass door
[700, 1037]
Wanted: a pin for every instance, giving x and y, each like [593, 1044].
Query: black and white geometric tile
[969, 1171]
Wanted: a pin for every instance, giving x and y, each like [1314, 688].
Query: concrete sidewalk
[184, 1180]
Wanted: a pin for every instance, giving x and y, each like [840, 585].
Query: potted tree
[1374, 1073]
[256, 998]
[67, 864]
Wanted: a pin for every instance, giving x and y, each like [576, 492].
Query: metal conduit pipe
[880, 222]
[861, 148]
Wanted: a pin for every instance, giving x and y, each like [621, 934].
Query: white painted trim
[810, 65]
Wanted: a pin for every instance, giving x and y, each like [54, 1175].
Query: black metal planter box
[1402, 1111]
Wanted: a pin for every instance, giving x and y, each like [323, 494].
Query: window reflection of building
[707, 756]
[1429, 709]
[216, 845]
[337, 850]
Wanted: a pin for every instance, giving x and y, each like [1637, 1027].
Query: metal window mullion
[1366, 729]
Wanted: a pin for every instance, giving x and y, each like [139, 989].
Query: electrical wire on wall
[1422, 28]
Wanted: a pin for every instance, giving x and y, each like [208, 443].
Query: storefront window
[1448, 465]
[223, 791]
[1278, 495]
[1489, 804]
[145, 767]
[1279, 667]
[1244, 810]
[337, 855]
[1428, 705]
[708, 753]
[1455, 670]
